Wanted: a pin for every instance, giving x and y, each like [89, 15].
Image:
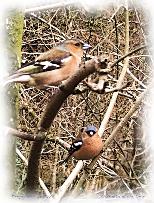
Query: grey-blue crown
[91, 128]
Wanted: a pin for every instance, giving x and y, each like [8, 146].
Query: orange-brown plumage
[87, 145]
[53, 66]
[90, 148]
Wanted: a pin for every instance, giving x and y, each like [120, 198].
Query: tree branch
[112, 101]
[23, 135]
[109, 141]
[128, 54]
[48, 116]
[50, 6]
[46, 191]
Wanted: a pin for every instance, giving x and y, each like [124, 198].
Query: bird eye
[77, 44]
[91, 132]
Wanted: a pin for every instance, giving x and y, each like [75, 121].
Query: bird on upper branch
[87, 145]
[53, 66]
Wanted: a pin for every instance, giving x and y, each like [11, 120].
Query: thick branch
[40, 180]
[32, 137]
[67, 89]
[33, 167]
[50, 112]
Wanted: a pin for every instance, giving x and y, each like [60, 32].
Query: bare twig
[62, 143]
[46, 191]
[23, 135]
[119, 82]
[113, 99]
[51, 6]
[129, 54]
[135, 78]
[62, 190]
[54, 178]
[110, 139]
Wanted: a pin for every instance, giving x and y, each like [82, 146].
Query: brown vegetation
[122, 167]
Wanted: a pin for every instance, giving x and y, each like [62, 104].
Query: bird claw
[62, 87]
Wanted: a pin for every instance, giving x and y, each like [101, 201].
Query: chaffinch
[87, 145]
[53, 66]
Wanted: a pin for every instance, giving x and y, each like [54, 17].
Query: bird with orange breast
[53, 66]
[86, 146]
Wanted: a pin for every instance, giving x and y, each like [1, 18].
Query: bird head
[90, 130]
[75, 46]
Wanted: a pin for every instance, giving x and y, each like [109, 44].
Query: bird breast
[90, 149]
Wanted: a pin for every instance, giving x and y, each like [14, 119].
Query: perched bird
[87, 145]
[53, 66]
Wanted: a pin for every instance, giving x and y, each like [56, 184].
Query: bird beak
[86, 46]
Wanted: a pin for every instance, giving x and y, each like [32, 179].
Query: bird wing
[50, 60]
[76, 145]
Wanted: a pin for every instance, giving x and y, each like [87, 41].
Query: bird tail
[15, 78]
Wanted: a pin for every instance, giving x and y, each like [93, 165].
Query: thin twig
[50, 6]
[112, 101]
[62, 190]
[23, 135]
[46, 191]
[119, 82]
[136, 79]
[62, 35]
[128, 54]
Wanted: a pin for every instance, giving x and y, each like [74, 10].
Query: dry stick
[112, 101]
[46, 191]
[128, 54]
[62, 143]
[119, 82]
[123, 121]
[135, 78]
[62, 190]
[111, 138]
[54, 177]
[32, 137]
[51, 6]
[23, 135]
